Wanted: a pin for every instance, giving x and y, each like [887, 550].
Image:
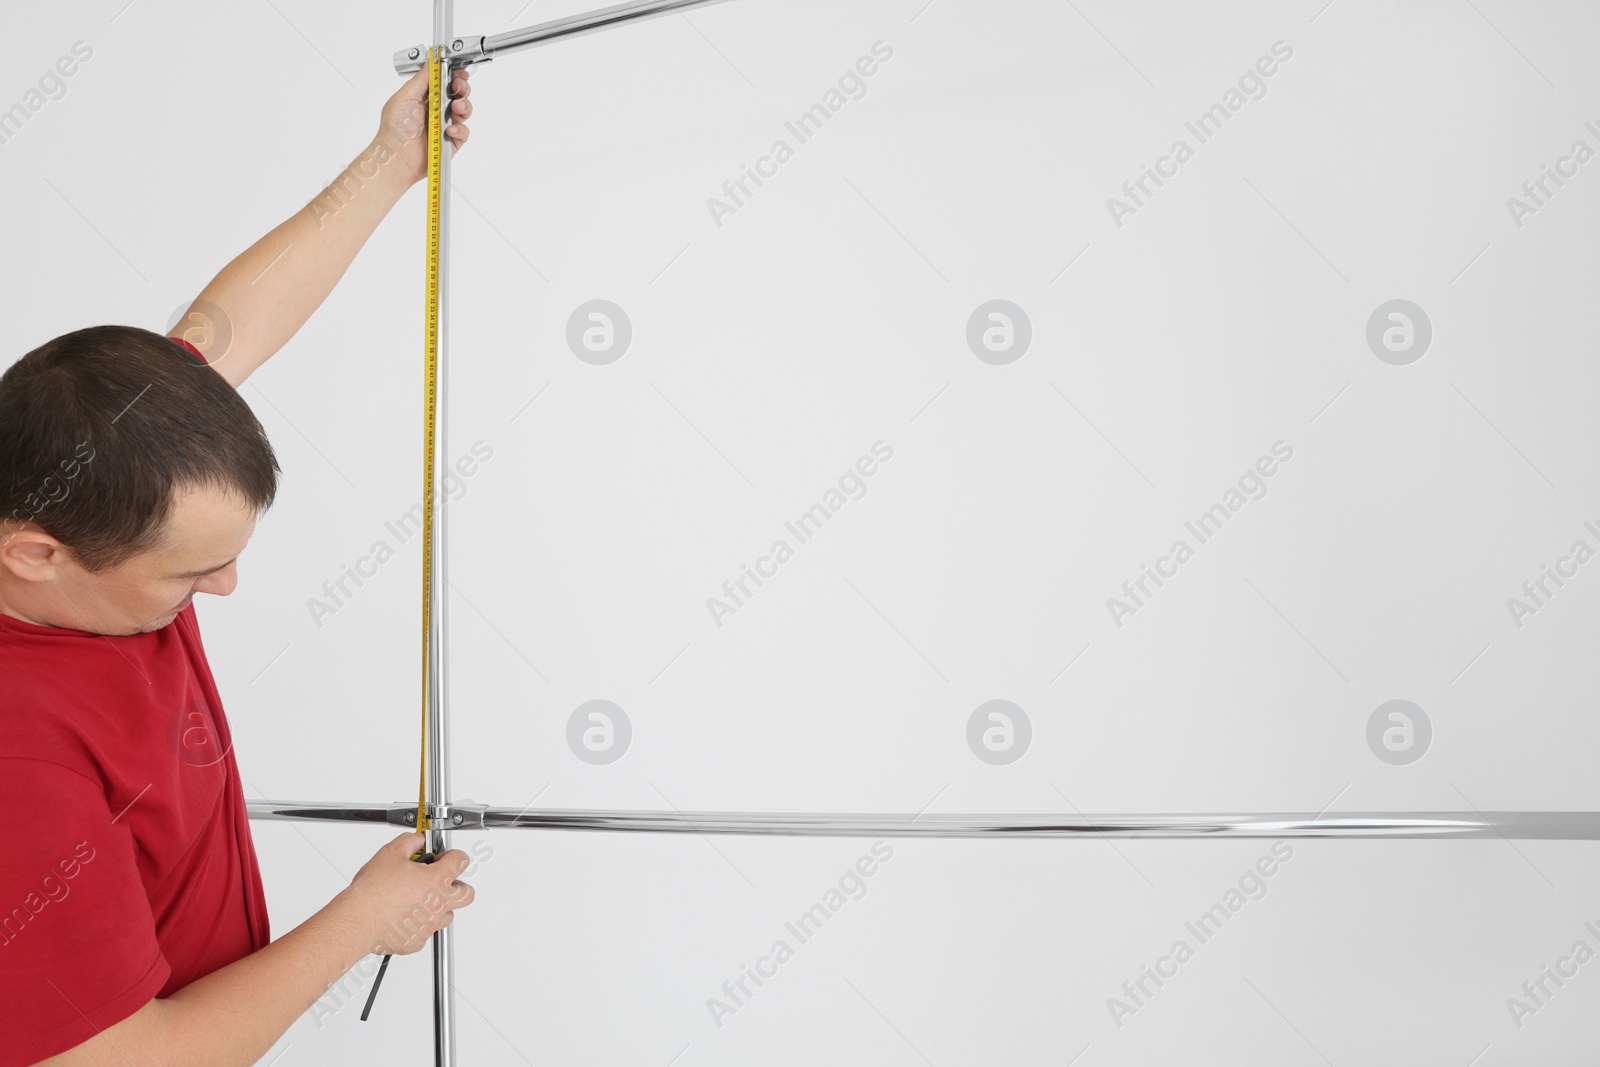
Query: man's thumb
[416, 88]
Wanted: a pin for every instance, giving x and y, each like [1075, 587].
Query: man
[133, 927]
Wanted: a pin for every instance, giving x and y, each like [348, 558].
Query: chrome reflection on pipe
[1516, 825]
[329, 811]
[1552, 825]
[478, 49]
[587, 22]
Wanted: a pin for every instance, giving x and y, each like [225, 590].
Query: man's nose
[220, 584]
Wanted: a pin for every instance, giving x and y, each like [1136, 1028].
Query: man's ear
[29, 553]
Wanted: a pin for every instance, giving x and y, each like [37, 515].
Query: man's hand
[400, 904]
[232, 1016]
[269, 291]
[404, 126]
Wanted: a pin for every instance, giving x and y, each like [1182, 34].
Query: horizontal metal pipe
[1521, 825]
[501, 44]
[330, 811]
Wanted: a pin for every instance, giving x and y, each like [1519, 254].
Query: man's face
[205, 532]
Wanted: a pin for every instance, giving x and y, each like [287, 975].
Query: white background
[770, 352]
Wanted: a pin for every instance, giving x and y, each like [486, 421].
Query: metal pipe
[330, 811]
[1557, 825]
[555, 30]
[1403, 825]
[437, 764]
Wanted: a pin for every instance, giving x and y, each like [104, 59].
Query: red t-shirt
[130, 872]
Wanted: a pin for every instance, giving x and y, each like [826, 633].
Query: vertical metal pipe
[438, 770]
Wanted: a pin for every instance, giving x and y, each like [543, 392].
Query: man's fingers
[455, 858]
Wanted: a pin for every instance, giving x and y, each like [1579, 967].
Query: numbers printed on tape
[430, 401]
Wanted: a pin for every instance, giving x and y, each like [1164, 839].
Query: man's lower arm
[269, 291]
[235, 1014]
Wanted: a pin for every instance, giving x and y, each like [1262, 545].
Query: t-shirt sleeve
[194, 352]
[78, 948]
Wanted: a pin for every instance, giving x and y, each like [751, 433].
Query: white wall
[829, 312]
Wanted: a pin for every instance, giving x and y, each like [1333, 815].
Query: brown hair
[100, 426]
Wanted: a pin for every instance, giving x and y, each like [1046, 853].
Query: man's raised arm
[261, 299]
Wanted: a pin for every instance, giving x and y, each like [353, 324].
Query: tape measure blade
[430, 404]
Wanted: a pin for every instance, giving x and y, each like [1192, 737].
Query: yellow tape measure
[430, 402]
[429, 422]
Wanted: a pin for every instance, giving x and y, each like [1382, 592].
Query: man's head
[130, 479]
